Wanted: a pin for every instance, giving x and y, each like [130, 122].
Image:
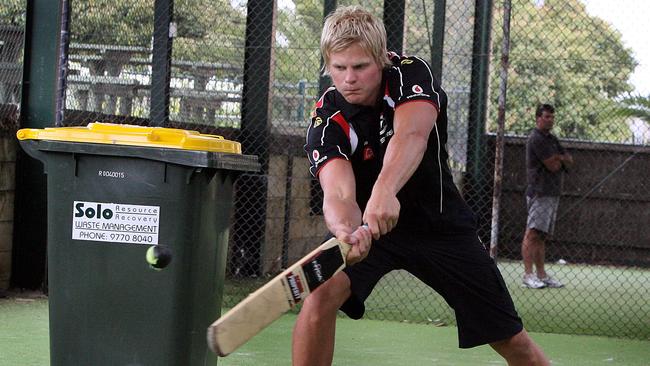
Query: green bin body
[108, 204]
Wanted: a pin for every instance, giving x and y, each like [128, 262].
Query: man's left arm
[566, 160]
[412, 125]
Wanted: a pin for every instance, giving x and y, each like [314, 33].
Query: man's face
[356, 75]
[545, 121]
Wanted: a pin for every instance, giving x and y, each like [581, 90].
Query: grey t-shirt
[541, 181]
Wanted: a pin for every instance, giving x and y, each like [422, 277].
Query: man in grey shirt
[546, 160]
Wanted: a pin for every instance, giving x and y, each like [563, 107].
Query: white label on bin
[115, 222]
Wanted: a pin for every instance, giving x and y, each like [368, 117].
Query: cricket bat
[278, 296]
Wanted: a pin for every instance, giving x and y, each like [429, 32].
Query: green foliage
[635, 106]
[12, 12]
[418, 28]
[297, 43]
[209, 31]
[124, 22]
[561, 55]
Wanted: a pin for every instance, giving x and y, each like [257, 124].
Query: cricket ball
[158, 257]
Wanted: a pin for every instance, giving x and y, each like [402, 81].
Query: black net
[12, 36]
[249, 70]
[109, 62]
[563, 54]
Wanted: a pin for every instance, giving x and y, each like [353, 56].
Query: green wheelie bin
[138, 222]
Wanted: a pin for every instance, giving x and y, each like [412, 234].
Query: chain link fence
[563, 55]
[249, 70]
[12, 29]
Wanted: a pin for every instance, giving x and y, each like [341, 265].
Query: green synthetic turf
[24, 332]
[371, 342]
[597, 300]
[24, 342]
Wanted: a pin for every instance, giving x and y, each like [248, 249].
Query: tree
[210, 31]
[561, 55]
[635, 106]
[123, 23]
[297, 50]
[12, 12]
[207, 30]
[635, 110]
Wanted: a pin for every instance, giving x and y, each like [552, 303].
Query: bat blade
[275, 298]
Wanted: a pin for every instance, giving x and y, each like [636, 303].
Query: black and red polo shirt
[430, 201]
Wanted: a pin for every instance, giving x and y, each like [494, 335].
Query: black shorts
[458, 267]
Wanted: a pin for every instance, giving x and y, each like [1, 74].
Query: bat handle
[345, 249]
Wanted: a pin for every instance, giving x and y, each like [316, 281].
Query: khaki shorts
[542, 212]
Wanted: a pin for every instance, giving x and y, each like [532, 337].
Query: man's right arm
[558, 161]
[342, 213]
[553, 157]
[553, 163]
[566, 160]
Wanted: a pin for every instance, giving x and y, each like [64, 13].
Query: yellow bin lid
[114, 134]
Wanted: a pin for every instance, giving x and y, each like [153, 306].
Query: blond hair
[349, 25]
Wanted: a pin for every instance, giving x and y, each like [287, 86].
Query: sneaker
[531, 281]
[551, 282]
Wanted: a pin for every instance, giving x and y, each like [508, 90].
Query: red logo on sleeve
[368, 153]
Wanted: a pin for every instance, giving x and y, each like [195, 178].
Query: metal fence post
[251, 200]
[501, 122]
[478, 106]
[38, 110]
[438, 37]
[63, 62]
[394, 11]
[325, 81]
[161, 62]
[300, 113]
